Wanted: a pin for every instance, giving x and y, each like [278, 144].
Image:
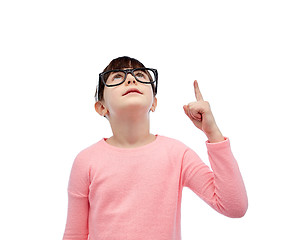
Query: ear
[101, 109]
[153, 107]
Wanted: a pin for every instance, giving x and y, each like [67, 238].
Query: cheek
[149, 90]
[112, 97]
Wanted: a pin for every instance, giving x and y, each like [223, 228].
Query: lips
[132, 90]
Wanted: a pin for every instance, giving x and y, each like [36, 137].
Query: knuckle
[190, 105]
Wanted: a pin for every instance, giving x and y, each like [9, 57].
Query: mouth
[132, 91]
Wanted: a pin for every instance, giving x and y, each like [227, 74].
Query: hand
[201, 115]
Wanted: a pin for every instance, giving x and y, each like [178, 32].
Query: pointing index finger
[198, 94]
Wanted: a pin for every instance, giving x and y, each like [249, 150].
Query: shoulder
[86, 154]
[173, 143]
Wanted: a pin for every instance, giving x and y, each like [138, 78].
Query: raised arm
[222, 187]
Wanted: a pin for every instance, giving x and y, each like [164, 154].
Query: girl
[129, 186]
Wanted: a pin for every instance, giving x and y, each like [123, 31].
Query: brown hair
[120, 63]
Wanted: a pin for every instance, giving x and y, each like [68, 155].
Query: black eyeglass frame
[127, 71]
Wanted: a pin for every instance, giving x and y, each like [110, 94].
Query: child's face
[117, 103]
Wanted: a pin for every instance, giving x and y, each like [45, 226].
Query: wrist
[215, 136]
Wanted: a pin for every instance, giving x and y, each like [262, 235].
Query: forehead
[129, 68]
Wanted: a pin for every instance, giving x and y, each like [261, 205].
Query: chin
[135, 107]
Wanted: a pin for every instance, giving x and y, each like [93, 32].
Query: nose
[130, 78]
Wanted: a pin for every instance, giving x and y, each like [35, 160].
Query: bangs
[123, 62]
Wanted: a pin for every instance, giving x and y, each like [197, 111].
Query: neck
[131, 130]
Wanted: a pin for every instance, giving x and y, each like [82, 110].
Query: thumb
[185, 107]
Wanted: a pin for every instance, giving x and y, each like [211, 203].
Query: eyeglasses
[118, 76]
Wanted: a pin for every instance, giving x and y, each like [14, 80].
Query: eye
[140, 75]
[117, 77]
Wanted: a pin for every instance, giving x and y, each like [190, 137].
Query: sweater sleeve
[78, 204]
[222, 187]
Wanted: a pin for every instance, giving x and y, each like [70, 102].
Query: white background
[241, 52]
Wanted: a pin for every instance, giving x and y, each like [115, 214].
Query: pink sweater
[135, 194]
